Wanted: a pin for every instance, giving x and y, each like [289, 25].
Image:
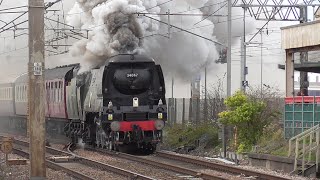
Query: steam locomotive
[118, 105]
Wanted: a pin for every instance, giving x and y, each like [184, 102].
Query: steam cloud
[117, 29]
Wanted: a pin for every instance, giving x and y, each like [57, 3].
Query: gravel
[18, 172]
[258, 169]
[94, 173]
[129, 165]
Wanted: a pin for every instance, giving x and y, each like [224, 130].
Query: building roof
[50, 74]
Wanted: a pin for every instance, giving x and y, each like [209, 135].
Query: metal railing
[306, 144]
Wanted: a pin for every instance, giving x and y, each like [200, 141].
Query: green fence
[300, 116]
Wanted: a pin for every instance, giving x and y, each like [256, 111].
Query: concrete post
[289, 74]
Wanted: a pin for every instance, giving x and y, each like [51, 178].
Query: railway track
[219, 166]
[71, 162]
[161, 159]
[191, 166]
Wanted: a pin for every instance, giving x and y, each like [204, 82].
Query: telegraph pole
[243, 58]
[224, 128]
[36, 115]
[261, 65]
[205, 95]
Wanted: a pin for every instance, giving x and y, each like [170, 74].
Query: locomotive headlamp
[159, 124]
[160, 115]
[135, 102]
[115, 126]
[160, 102]
[110, 117]
[110, 105]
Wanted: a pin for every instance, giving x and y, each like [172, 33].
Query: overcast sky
[13, 53]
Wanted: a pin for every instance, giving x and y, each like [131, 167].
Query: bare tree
[215, 101]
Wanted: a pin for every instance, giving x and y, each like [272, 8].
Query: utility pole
[261, 65]
[205, 95]
[229, 50]
[304, 82]
[224, 128]
[243, 58]
[242, 64]
[172, 103]
[36, 115]
[172, 84]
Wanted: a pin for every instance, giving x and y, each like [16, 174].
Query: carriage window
[22, 93]
[61, 91]
[25, 93]
[18, 93]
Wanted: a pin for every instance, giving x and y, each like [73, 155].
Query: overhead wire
[212, 13]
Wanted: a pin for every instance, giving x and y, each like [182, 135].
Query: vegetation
[255, 114]
[204, 135]
[272, 141]
[250, 115]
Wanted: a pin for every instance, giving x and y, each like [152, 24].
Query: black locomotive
[121, 104]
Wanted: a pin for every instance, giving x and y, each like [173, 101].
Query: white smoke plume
[116, 28]
[220, 20]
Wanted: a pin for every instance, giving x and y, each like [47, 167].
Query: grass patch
[205, 135]
[273, 142]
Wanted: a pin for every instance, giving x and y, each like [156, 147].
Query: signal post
[36, 100]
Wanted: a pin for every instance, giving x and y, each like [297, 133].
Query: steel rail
[162, 165]
[55, 166]
[91, 163]
[219, 167]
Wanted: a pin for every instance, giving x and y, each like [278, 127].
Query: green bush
[187, 135]
[249, 115]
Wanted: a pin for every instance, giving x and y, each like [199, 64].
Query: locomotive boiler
[119, 105]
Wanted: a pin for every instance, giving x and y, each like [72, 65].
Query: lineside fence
[193, 110]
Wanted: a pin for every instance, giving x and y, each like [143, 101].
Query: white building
[314, 84]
